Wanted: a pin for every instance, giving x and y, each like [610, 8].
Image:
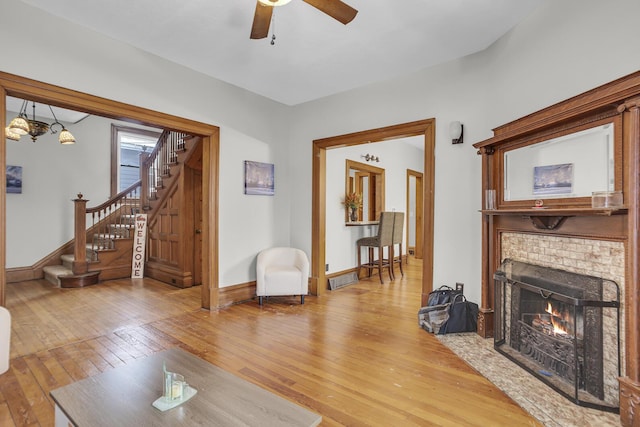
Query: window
[127, 144]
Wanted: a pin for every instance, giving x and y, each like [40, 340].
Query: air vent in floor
[342, 281]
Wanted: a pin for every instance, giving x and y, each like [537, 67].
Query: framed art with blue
[259, 178]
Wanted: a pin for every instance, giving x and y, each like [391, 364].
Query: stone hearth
[542, 402]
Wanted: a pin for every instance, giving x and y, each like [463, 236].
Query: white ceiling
[314, 55]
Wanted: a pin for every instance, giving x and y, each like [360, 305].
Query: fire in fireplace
[551, 322]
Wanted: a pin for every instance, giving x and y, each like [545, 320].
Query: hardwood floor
[356, 356]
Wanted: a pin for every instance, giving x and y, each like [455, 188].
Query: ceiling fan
[264, 8]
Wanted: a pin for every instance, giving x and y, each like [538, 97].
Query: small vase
[354, 214]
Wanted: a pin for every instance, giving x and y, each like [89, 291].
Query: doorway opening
[20, 87]
[414, 213]
[424, 128]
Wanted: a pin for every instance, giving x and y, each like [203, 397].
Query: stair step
[53, 272]
[67, 259]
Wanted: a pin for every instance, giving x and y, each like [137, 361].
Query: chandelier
[23, 125]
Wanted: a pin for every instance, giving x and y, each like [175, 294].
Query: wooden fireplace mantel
[617, 103]
[550, 219]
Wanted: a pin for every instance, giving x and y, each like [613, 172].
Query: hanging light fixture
[23, 125]
[19, 125]
[11, 134]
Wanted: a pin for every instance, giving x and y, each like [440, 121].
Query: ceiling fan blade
[335, 9]
[261, 21]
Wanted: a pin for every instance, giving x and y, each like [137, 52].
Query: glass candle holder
[174, 385]
[490, 199]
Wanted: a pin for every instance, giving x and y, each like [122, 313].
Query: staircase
[108, 241]
[104, 249]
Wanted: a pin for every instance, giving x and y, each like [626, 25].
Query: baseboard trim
[23, 274]
[236, 294]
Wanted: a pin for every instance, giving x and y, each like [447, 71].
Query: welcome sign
[139, 244]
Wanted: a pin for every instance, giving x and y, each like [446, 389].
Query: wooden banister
[157, 165]
[80, 265]
[108, 221]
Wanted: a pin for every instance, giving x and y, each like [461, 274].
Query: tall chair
[398, 233]
[382, 240]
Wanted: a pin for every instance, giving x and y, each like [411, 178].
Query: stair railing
[157, 165]
[109, 221]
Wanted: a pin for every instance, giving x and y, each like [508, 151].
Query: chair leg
[380, 263]
[260, 300]
[392, 276]
[301, 299]
[392, 273]
[400, 261]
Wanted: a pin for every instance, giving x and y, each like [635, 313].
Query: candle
[176, 390]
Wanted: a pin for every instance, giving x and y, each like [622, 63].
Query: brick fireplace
[565, 231]
[582, 269]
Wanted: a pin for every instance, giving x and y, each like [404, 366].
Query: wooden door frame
[425, 128]
[419, 206]
[21, 87]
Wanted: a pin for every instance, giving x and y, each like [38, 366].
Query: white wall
[564, 48]
[40, 219]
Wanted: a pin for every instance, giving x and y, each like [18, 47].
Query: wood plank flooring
[356, 356]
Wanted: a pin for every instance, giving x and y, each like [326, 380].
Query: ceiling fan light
[274, 2]
[19, 125]
[9, 134]
[66, 137]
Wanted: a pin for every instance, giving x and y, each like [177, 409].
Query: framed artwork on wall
[259, 178]
[14, 179]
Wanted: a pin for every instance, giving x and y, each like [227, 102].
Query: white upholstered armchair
[5, 339]
[282, 271]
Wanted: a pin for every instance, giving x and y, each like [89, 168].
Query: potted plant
[353, 201]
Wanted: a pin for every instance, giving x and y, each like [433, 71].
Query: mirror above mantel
[561, 169]
[567, 166]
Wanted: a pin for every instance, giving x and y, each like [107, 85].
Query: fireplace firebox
[561, 327]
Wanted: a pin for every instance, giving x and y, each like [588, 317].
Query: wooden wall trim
[235, 294]
[632, 296]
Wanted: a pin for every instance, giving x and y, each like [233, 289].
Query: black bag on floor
[463, 316]
[443, 295]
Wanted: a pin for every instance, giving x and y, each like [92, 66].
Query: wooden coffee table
[124, 397]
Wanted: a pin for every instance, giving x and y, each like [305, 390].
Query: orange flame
[557, 327]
